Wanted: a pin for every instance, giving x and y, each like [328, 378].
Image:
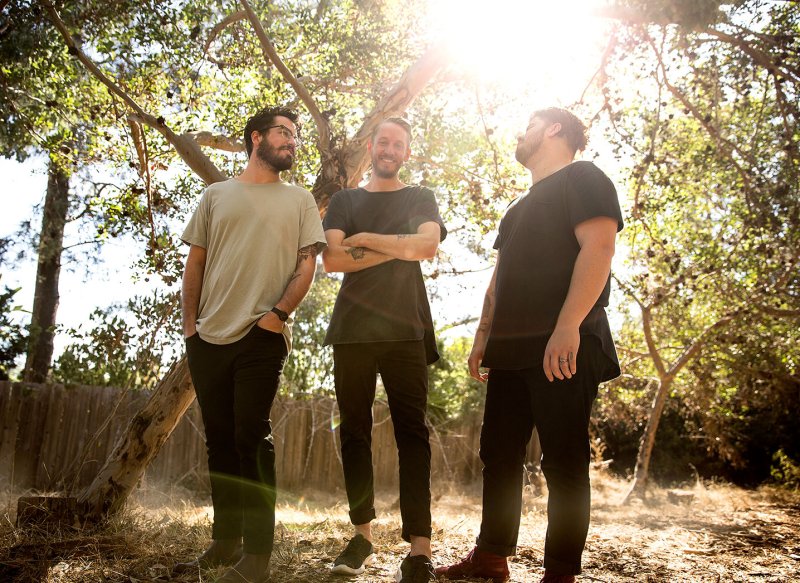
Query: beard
[385, 168]
[527, 148]
[278, 158]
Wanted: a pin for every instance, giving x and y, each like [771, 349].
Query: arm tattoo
[403, 236]
[487, 307]
[308, 251]
[356, 253]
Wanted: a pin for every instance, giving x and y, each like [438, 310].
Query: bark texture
[48, 271]
[139, 444]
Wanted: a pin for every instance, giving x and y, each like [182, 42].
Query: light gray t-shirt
[251, 233]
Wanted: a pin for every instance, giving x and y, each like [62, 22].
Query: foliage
[711, 239]
[116, 352]
[309, 368]
[453, 393]
[12, 337]
[785, 470]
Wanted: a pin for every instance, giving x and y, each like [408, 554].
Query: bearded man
[543, 345]
[252, 257]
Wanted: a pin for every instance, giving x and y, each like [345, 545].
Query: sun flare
[551, 46]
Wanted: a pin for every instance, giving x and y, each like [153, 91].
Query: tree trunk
[639, 485]
[48, 270]
[140, 443]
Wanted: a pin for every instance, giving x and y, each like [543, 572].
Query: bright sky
[542, 54]
[546, 49]
[545, 53]
[81, 292]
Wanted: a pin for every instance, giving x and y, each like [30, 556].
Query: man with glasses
[381, 323]
[545, 342]
[252, 257]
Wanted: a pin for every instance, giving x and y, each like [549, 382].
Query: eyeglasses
[285, 132]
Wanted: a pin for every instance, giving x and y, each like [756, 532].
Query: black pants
[236, 385]
[403, 369]
[516, 401]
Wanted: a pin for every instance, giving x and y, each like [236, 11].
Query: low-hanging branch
[217, 141]
[186, 147]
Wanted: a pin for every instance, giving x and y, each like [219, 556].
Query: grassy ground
[714, 533]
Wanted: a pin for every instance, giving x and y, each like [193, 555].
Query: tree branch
[323, 128]
[187, 149]
[777, 312]
[225, 23]
[692, 350]
[647, 327]
[726, 145]
[758, 56]
[217, 141]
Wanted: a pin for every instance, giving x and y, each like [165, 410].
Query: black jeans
[403, 369]
[236, 385]
[516, 401]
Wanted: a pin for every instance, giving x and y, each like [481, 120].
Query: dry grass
[713, 533]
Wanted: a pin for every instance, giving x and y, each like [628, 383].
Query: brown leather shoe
[250, 569]
[553, 578]
[219, 552]
[477, 564]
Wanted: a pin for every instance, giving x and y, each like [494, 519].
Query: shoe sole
[398, 576]
[350, 571]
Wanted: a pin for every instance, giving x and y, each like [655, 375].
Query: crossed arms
[363, 250]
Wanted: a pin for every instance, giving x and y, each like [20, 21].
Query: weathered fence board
[56, 437]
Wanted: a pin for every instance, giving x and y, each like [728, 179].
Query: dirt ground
[708, 533]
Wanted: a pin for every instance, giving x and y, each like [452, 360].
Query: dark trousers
[403, 369]
[516, 402]
[236, 385]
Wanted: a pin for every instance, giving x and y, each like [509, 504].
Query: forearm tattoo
[403, 236]
[356, 253]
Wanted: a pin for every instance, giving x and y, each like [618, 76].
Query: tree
[120, 352]
[714, 138]
[41, 114]
[45, 300]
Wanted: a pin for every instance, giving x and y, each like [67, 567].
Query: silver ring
[563, 360]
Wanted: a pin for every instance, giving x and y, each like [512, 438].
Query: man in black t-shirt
[381, 323]
[545, 341]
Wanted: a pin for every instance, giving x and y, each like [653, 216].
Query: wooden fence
[56, 437]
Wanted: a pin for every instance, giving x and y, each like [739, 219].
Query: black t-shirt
[386, 302]
[538, 249]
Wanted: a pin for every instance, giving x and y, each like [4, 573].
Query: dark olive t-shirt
[538, 249]
[387, 302]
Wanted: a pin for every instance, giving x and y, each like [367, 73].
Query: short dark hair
[264, 118]
[400, 121]
[572, 129]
